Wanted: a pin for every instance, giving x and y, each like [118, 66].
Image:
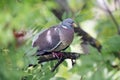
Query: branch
[58, 12]
[66, 55]
[87, 38]
[50, 57]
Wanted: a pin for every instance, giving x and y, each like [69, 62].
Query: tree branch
[87, 38]
[58, 12]
[66, 55]
[50, 57]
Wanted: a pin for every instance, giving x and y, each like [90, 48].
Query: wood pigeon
[56, 38]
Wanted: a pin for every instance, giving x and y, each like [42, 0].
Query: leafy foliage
[20, 20]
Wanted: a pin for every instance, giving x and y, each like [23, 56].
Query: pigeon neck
[65, 27]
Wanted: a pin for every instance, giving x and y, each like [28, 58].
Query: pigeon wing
[47, 40]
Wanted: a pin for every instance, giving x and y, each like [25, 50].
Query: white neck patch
[64, 27]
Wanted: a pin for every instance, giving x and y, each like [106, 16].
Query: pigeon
[56, 38]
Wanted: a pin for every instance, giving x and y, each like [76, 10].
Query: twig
[112, 17]
[73, 62]
[59, 62]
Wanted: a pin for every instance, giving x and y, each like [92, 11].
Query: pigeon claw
[57, 55]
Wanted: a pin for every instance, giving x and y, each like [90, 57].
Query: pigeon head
[69, 23]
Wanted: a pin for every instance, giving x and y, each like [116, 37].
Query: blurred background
[20, 20]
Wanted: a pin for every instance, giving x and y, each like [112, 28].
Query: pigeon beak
[74, 25]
